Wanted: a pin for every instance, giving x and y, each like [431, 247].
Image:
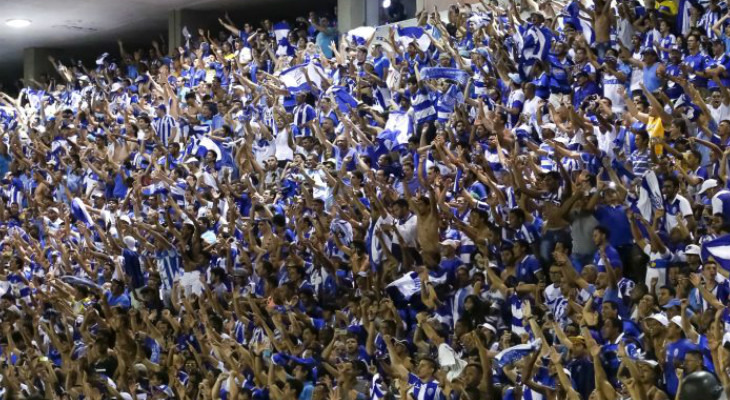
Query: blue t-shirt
[615, 220]
[675, 352]
[122, 300]
[527, 268]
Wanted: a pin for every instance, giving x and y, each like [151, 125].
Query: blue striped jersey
[169, 266]
[304, 113]
[425, 390]
[164, 128]
[422, 106]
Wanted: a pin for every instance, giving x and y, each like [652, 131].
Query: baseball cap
[489, 327]
[677, 320]
[661, 318]
[706, 185]
[672, 303]
[450, 242]
[692, 249]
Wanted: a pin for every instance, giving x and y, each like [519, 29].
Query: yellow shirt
[655, 128]
[670, 7]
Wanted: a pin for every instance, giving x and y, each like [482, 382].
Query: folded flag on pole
[650, 196]
[718, 249]
[79, 211]
[455, 74]
[100, 60]
[360, 36]
[281, 30]
[411, 34]
[516, 353]
[377, 388]
[186, 34]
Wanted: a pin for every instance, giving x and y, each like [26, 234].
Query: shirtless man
[427, 227]
[602, 22]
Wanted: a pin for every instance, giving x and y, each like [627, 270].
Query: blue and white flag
[455, 74]
[79, 211]
[100, 60]
[223, 152]
[580, 20]
[76, 281]
[400, 126]
[718, 249]
[360, 36]
[377, 388]
[650, 195]
[205, 144]
[516, 353]
[407, 285]
[295, 81]
[343, 98]
[411, 34]
[281, 30]
[479, 19]
[535, 42]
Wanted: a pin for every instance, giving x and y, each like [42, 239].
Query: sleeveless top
[651, 80]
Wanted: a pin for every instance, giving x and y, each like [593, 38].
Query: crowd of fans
[507, 201]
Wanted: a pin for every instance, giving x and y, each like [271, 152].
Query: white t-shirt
[680, 205]
[605, 140]
[720, 113]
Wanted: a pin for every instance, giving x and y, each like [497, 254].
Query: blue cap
[672, 303]
[638, 126]
[279, 359]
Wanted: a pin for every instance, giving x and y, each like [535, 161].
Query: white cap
[116, 86]
[661, 318]
[548, 125]
[708, 184]
[125, 218]
[677, 320]
[489, 326]
[130, 243]
[451, 242]
[650, 362]
[692, 249]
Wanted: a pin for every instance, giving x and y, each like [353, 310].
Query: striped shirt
[423, 108]
[447, 102]
[304, 113]
[639, 161]
[169, 266]
[425, 390]
[164, 128]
